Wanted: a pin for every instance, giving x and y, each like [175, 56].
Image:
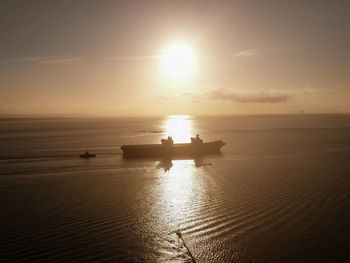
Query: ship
[87, 155]
[167, 148]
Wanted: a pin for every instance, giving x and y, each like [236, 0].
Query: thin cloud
[261, 97]
[131, 58]
[28, 59]
[247, 53]
[222, 94]
[57, 60]
[49, 60]
[60, 61]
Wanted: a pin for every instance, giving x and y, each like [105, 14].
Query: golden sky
[106, 58]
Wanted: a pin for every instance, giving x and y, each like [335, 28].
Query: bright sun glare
[178, 62]
[179, 128]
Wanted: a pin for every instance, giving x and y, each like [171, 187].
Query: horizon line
[91, 116]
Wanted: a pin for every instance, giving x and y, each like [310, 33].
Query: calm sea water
[279, 192]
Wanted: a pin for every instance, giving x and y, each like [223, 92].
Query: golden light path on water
[180, 184]
[180, 192]
[179, 127]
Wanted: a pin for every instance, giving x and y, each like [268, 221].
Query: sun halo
[178, 62]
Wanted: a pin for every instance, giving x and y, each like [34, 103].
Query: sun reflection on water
[179, 127]
[180, 180]
[180, 186]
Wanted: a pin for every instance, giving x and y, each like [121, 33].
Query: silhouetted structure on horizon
[167, 148]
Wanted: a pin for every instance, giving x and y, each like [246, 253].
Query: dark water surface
[279, 192]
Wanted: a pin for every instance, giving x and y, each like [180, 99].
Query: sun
[178, 62]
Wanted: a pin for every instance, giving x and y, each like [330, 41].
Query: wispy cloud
[258, 97]
[247, 53]
[49, 59]
[147, 57]
[224, 94]
[58, 60]
[27, 59]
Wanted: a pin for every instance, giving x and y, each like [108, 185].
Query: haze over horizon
[106, 58]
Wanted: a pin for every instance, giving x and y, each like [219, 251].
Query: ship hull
[179, 149]
[87, 156]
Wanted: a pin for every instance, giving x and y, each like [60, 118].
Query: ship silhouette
[167, 148]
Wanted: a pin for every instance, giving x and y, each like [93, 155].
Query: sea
[279, 191]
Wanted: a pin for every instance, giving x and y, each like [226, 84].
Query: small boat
[168, 148]
[87, 155]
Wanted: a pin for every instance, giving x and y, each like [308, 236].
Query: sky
[103, 58]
